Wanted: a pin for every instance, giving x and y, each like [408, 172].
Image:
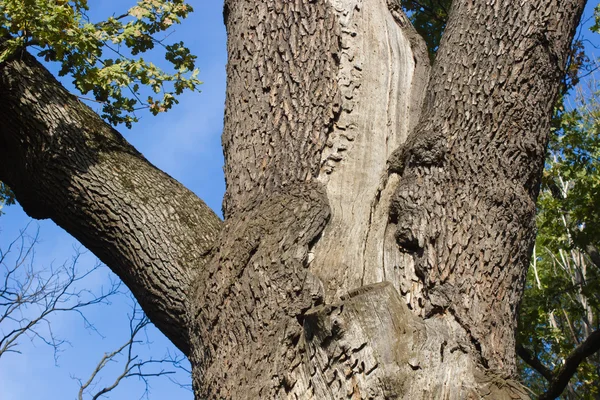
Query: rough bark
[63, 162]
[375, 240]
[462, 190]
[470, 172]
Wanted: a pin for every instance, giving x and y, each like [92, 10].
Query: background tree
[561, 305]
[320, 125]
[30, 295]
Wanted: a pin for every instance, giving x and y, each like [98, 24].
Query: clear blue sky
[185, 143]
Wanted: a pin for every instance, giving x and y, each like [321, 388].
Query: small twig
[133, 365]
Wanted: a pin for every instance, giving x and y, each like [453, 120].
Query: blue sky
[185, 142]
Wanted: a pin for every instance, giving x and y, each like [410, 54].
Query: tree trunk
[379, 214]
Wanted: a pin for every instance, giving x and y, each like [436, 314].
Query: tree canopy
[103, 57]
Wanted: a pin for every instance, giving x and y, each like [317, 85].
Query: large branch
[561, 379]
[64, 163]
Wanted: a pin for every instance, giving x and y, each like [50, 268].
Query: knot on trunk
[409, 215]
[422, 149]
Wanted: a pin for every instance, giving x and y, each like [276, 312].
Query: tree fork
[334, 116]
[336, 273]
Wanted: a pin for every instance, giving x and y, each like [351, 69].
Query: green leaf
[60, 31]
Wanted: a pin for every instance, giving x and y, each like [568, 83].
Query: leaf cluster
[571, 181]
[7, 197]
[102, 57]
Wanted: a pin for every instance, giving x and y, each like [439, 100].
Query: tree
[559, 322]
[379, 214]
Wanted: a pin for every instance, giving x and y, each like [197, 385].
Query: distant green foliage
[561, 306]
[6, 196]
[429, 18]
[102, 57]
[573, 173]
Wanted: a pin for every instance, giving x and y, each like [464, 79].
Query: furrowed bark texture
[470, 172]
[321, 97]
[252, 299]
[282, 97]
[63, 162]
[376, 239]
[282, 101]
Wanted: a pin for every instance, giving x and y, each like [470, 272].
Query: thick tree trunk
[376, 238]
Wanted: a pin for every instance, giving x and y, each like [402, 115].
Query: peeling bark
[382, 76]
[371, 345]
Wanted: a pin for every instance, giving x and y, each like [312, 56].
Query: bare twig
[134, 366]
[30, 295]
